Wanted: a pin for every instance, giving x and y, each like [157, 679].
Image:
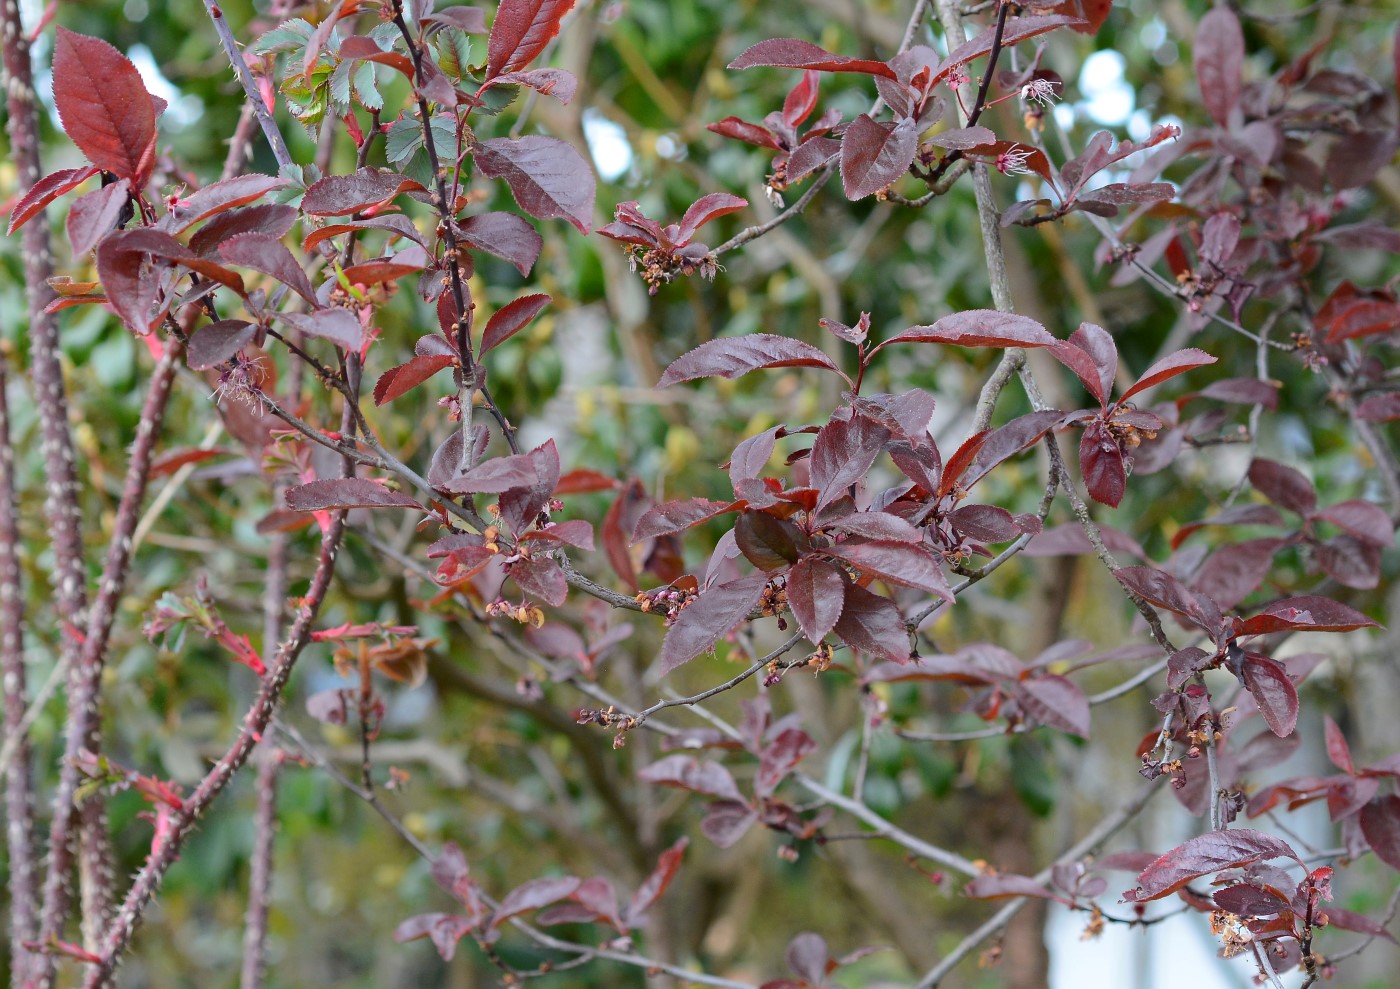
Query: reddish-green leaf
[731, 357]
[104, 105]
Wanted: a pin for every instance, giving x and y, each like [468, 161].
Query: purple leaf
[1235, 571]
[1006, 886]
[495, 476]
[807, 956]
[340, 326]
[1204, 855]
[1056, 702]
[94, 215]
[984, 523]
[677, 516]
[780, 757]
[709, 618]
[1284, 486]
[791, 53]
[963, 138]
[218, 198]
[1242, 391]
[1219, 58]
[105, 108]
[559, 83]
[875, 155]
[899, 563]
[686, 772]
[1268, 682]
[1098, 344]
[844, 450]
[521, 31]
[345, 492]
[879, 525]
[337, 195]
[521, 505]
[1016, 30]
[510, 319]
[505, 235]
[1165, 591]
[1364, 520]
[727, 821]
[873, 625]
[541, 579]
[265, 253]
[768, 542]
[547, 176]
[751, 456]
[816, 594]
[443, 929]
[274, 219]
[1102, 465]
[1308, 613]
[533, 895]
[45, 191]
[731, 357]
[979, 328]
[1001, 443]
[1380, 823]
[217, 342]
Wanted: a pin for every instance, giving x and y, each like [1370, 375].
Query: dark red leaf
[345, 492]
[842, 454]
[104, 105]
[751, 456]
[469, 19]
[812, 154]
[583, 480]
[874, 155]
[686, 772]
[45, 191]
[880, 525]
[873, 625]
[1005, 887]
[1361, 924]
[731, 357]
[1273, 691]
[361, 48]
[1102, 465]
[780, 757]
[619, 522]
[742, 130]
[801, 100]
[547, 176]
[521, 31]
[1056, 702]
[574, 532]
[709, 618]
[1243, 391]
[705, 209]
[521, 506]
[816, 594]
[1219, 58]
[399, 380]
[791, 53]
[380, 270]
[677, 516]
[510, 319]
[1309, 613]
[1204, 855]
[505, 235]
[1363, 318]
[1097, 343]
[94, 215]
[396, 223]
[980, 328]
[1356, 157]
[219, 198]
[217, 342]
[265, 253]
[1165, 591]
[1236, 515]
[340, 326]
[655, 884]
[984, 523]
[1247, 900]
[1169, 367]
[558, 83]
[1380, 823]
[337, 195]
[1235, 571]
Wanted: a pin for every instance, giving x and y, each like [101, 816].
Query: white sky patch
[183, 110]
[1109, 100]
[607, 143]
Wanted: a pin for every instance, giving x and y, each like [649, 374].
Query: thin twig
[250, 89]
